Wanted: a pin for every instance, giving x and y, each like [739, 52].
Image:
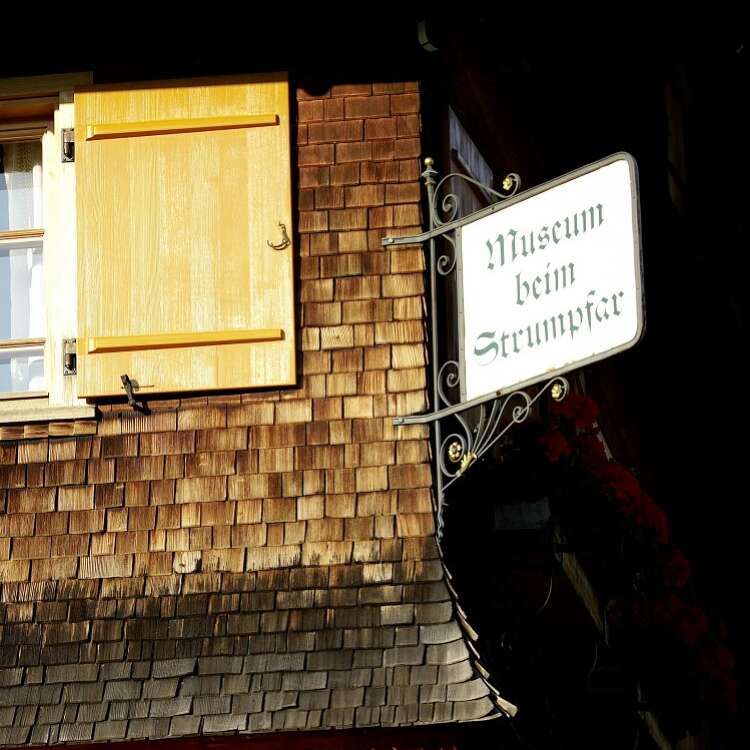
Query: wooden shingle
[214, 463]
[75, 498]
[200, 489]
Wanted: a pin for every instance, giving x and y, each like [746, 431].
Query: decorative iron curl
[449, 376]
[450, 203]
[521, 411]
[455, 437]
[513, 179]
[489, 429]
[447, 261]
[450, 206]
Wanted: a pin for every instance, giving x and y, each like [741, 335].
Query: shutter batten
[168, 127]
[101, 344]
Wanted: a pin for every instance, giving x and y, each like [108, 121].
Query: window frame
[19, 238]
[40, 108]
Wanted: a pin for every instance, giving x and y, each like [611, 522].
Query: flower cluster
[660, 599]
[687, 622]
[555, 446]
[577, 408]
[616, 479]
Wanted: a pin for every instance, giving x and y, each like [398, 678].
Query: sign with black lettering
[551, 279]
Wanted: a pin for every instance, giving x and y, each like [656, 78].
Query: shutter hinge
[69, 357]
[68, 145]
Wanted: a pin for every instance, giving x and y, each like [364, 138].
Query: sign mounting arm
[473, 430]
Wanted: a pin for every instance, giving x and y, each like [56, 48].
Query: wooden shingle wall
[262, 561]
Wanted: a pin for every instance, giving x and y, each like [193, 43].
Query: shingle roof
[360, 644]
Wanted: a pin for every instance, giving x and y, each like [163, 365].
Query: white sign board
[551, 279]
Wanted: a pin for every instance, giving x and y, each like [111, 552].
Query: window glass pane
[21, 291]
[21, 370]
[20, 185]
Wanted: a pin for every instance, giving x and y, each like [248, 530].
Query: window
[22, 319]
[37, 250]
[166, 244]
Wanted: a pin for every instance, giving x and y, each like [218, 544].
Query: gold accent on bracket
[467, 461]
[557, 391]
[104, 344]
[508, 182]
[455, 451]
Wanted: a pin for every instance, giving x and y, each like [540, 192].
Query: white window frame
[59, 401]
[16, 238]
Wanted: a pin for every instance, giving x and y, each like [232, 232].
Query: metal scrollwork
[458, 443]
[511, 184]
[490, 426]
[478, 430]
[447, 261]
[445, 208]
[449, 204]
[475, 427]
[449, 376]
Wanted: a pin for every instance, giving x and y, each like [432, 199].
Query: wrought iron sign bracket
[462, 431]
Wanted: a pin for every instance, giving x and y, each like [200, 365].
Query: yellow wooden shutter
[180, 188]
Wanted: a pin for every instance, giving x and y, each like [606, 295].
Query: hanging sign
[551, 280]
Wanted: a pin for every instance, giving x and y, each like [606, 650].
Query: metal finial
[429, 174]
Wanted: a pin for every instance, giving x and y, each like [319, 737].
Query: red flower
[593, 456]
[555, 446]
[648, 514]
[716, 660]
[676, 571]
[622, 483]
[687, 622]
[668, 609]
[691, 624]
[578, 408]
[661, 525]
